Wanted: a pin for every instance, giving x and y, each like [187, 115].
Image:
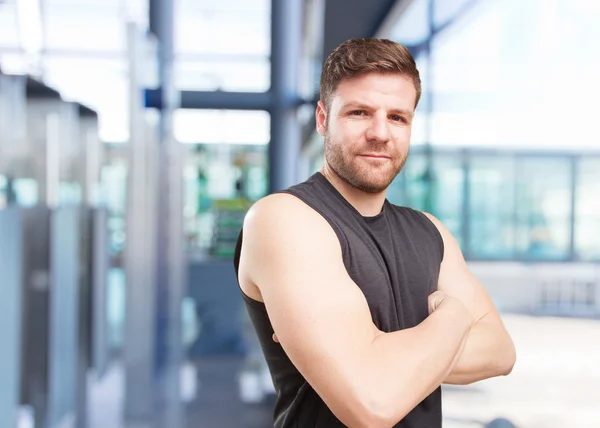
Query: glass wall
[543, 208]
[492, 205]
[493, 76]
[221, 182]
[225, 171]
[223, 45]
[434, 185]
[587, 209]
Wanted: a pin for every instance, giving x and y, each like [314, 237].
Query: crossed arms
[366, 377]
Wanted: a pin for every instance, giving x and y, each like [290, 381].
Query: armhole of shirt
[236, 266]
[434, 230]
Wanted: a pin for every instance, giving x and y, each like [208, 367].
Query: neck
[367, 204]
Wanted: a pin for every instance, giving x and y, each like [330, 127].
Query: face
[367, 129]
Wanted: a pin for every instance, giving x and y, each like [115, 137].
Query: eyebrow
[360, 106]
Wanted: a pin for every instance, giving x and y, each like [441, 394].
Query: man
[372, 304]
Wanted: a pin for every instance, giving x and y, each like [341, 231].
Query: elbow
[363, 410]
[377, 412]
[509, 359]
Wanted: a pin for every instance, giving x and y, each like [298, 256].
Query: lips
[375, 156]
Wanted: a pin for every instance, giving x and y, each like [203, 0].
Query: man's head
[369, 91]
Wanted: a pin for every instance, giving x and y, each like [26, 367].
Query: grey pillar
[286, 49]
[11, 266]
[170, 262]
[139, 259]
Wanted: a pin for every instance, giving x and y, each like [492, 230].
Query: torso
[394, 258]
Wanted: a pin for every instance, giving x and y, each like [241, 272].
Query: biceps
[460, 283]
[324, 335]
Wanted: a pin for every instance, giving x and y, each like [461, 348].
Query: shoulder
[278, 209]
[444, 232]
[284, 219]
[436, 222]
[283, 237]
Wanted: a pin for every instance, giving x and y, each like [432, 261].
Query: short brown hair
[356, 57]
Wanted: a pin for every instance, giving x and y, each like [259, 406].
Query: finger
[275, 338]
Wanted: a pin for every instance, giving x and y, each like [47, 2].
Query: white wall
[519, 287]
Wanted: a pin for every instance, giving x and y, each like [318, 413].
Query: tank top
[394, 257]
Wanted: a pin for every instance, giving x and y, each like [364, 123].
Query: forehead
[397, 90]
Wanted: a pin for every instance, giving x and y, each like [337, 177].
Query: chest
[397, 269]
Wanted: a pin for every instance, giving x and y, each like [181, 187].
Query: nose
[378, 131]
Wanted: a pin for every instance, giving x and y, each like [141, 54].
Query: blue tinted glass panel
[587, 210]
[543, 201]
[492, 207]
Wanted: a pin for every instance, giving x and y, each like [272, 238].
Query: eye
[357, 113]
[398, 118]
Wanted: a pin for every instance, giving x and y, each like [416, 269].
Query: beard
[366, 178]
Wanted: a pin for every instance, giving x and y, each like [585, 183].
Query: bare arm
[322, 320]
[489, 350]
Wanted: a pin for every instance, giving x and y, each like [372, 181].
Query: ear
[321, 118]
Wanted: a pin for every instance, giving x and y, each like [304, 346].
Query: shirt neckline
[368, 219]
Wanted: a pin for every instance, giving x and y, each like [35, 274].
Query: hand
[275, 338]
[435, 299]
[439, 299]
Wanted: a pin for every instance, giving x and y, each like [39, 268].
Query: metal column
[11, 254]
[139, 258]
[170, 262]
[286, 49]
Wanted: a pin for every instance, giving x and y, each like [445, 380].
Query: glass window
[223, 45]
[221, 181]
[241, 33]
[114, 195]
[447, 192]
[543, 200]
[108, 95]
[439, 191]
[445, 11]
[223, 28]
[413, 25]
[491, 207]
[419, 131]
[84, 28]
[14, 62]
[410, 187]
[9, 35]
[587, 210]
[509, 47]
[222, 126]
[316, 163]
[252, 74]
[3, 192]
[26, 192]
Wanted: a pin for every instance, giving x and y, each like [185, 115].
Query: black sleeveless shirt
[394, 257]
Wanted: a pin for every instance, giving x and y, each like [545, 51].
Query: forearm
[488, 352]
[408, 365]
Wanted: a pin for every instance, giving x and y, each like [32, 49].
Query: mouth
[374, 156]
